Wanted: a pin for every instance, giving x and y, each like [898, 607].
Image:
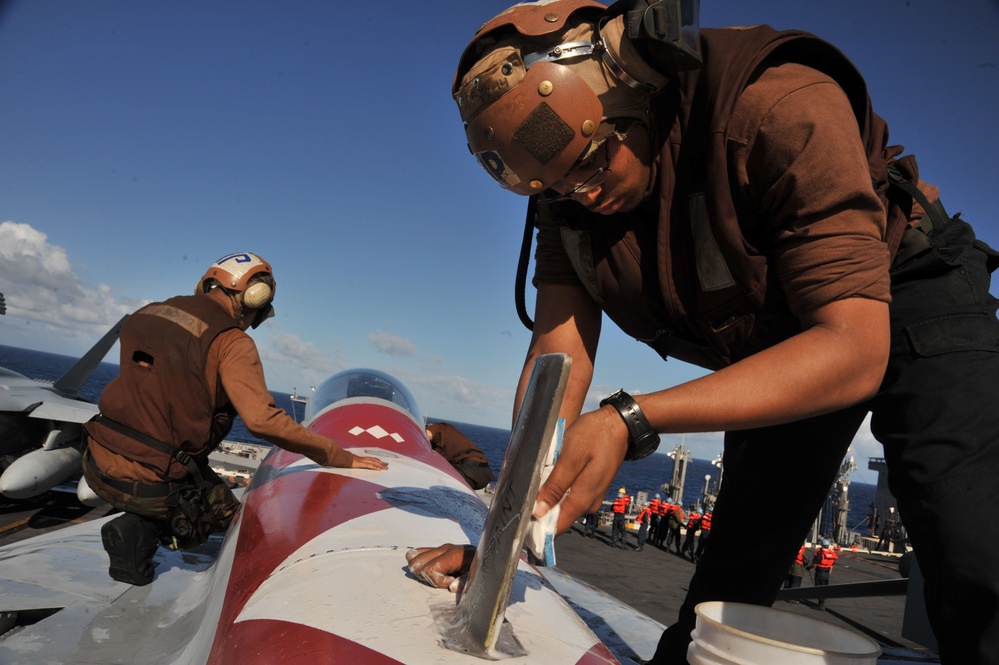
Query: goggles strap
[563, 52]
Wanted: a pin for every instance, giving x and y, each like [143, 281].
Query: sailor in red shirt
[823, 561]
[654, 521]
[693, 524]
[644, 518]
[793, 579]
[619, 508]
[702, 540]
[664, 507]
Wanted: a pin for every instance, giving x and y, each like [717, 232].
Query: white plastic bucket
[739, 634]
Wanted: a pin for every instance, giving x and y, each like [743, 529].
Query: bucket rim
[701, 614]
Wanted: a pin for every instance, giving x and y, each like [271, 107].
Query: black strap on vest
[935, 211]
[181, 456]
[131, 487]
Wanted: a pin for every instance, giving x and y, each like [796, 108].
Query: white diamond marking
[377, 431]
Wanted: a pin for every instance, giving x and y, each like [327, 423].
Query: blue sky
[140, 141]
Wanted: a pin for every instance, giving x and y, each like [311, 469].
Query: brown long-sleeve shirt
[233, 360]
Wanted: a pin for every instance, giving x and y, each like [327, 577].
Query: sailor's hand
[444, 567]
[593, 448]
[372, 463]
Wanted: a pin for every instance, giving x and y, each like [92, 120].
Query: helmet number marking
[497, 168]
[238, 258]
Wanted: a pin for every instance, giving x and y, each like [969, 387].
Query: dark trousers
[937, 415]
[822, 576]
[673, 537]
[792, 581]
[661, 531]
[617, 528]
[702, 543]
[939, 422]
[688, 542]
[162, 508]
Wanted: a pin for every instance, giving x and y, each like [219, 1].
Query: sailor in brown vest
[187, 369]
[466, 457]
[728, 197]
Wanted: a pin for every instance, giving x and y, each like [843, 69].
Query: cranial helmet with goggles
[246, 277]
[542, 85]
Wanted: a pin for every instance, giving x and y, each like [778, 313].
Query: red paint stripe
[598, 654]
[286, 509]
[265, 642]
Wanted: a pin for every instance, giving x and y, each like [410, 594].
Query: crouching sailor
[187, 369]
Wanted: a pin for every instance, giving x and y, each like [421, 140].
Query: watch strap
[642, 439]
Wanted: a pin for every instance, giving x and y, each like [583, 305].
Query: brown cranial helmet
[248, 278]
[542, 85]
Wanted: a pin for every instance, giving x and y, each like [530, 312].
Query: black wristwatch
[642, 439]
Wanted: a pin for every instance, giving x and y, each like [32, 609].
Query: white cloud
[454, 397]
[291, 363]
[40, 285]
[392, 345]
[290, 349]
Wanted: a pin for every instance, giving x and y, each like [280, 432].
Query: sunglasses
[589, 174]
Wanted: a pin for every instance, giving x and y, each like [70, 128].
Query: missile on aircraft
[39, 471]
[39, 417]
[86, 495]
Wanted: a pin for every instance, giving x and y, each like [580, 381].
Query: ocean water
[646, 475]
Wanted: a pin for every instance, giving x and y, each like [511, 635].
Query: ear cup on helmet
[257, 295]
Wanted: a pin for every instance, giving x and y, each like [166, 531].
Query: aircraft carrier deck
[654, 582]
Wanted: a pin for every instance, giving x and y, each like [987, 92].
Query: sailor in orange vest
[702, 540]
[693, 524]
[793, 579]
[654, 517]
[644, 518]
[619, 508]
[823, 562]
[664, 508]
[676, 520]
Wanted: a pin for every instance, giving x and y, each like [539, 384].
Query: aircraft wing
[72, 381]
[31, 400]
[57, 569]
[629, 634]
[57, 585]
